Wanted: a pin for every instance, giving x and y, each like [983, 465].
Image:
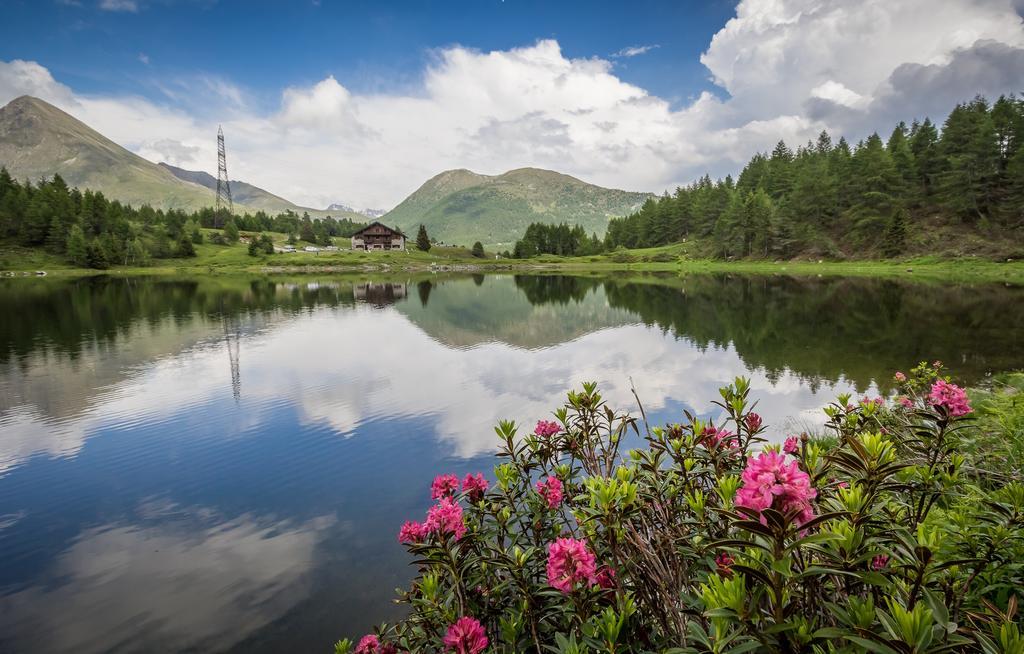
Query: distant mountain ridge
[372, 214]
[460, 206]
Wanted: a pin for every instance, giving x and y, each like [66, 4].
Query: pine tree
[895, 237]
[254, 246]
[422, 240]
[185, 247]
[478, 250]
[231, 231]
[77, 250]
[95, 256]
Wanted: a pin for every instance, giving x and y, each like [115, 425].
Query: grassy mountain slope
[38, 140]
[459, 206]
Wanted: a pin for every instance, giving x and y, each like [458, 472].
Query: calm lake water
[222, 464]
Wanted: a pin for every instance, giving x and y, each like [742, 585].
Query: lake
[222, 464]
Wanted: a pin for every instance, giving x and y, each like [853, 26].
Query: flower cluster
[550, 489]
[791, 446]
[753, 422]
[445, 517]
[770, 482]
[474, 486]
[465, 636]
[950, 396]
[546, 428]
[570, 562]
[412, 532]
[714, 436]
[444, 486]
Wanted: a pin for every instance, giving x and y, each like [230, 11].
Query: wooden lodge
[378, 236]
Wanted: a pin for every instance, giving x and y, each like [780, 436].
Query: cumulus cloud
[787, 69]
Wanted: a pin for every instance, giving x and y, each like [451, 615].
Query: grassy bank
[234, 259]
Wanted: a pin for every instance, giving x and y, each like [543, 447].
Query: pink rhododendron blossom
[474, 486]
[769, 481]
[791, 446]
[713, 436]
[866, 401]
[445, 518]
[368, 644]
[550, 488]
[905, 402]
[900, 377]
[412, 532]
[606, 577]
[570, 562]
[443, 486]
[879, 561]
[950, 396]
[546, 428]
[753, 422]
[723, 562]
[466, 636]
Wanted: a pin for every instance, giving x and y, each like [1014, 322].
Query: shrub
[710, 539]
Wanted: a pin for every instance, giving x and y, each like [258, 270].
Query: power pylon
[223, 187]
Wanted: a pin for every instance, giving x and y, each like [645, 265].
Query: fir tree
[422, 240]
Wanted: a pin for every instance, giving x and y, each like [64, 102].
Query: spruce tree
[77, 247]
[478, 250]
[422, 240]
[895, 233]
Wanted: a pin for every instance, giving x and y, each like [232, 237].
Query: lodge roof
[377, 222]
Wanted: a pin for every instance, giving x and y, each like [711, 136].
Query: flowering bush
[881, 536]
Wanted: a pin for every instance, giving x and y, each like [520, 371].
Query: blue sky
[361, 102]
[368, 46]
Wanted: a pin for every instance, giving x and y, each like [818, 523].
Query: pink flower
[466, 636]
[866, 402]
[546, 428]
[570, 562]
[753, 422]
[791, 446]
[412, 532]
[368, 644]
[474, 486]
[723, 562]
[714, 436]
[444, 486]
[445, 517]
[879, 561]
[900, 377]
[606, 577]
[550, 488]
[768, 481]
[905, 402]
[950, 396]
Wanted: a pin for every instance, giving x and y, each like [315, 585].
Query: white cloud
[144, 58]
[790, 67]
[119, 5]
[635, 50]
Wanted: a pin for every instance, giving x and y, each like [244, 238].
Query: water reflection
[221, 463]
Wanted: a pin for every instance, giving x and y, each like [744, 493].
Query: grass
[673, 259]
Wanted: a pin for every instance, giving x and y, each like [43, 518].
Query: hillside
[38, 140]
[255, 198]
[460, 206]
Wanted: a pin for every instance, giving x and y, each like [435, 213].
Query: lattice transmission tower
[223, 187]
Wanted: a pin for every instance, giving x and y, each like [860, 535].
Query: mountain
[460, 206]
[372, 214]
[38, 140]
[254, 198]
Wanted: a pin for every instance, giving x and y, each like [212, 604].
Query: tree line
[91, 230]
[870, 196]
[562, 239]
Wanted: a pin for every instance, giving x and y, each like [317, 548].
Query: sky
[361, 102]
